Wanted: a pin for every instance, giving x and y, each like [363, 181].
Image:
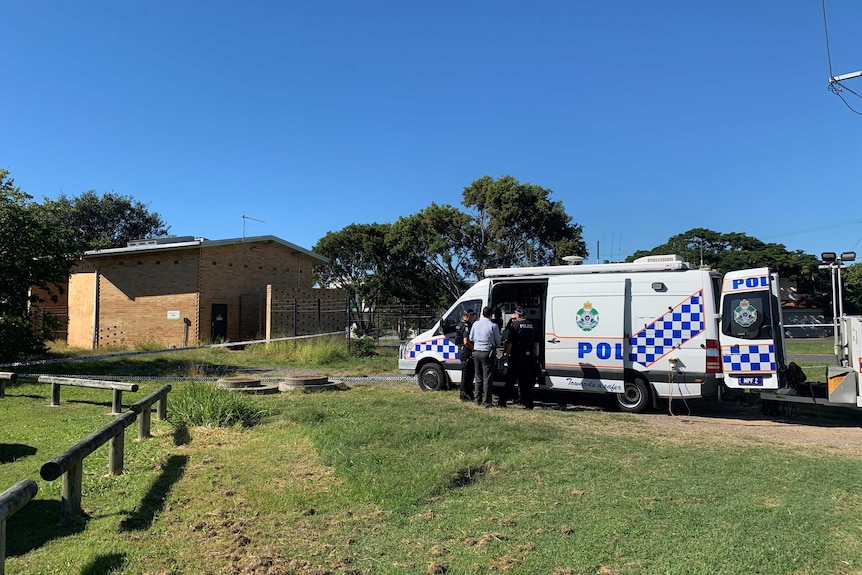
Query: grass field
[385, 479]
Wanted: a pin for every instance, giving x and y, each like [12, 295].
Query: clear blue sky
[646, 118]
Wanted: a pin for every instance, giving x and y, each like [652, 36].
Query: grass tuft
[204, 405]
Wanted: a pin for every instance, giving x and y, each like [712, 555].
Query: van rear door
[751, 340]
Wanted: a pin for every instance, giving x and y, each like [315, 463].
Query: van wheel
[635, 396]
[432, 377]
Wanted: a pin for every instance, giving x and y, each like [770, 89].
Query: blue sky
[646, 119]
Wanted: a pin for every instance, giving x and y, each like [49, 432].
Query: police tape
[165, 350]
[179, 379]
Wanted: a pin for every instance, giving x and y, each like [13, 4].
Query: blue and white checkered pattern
[748, 358]
[442, 345]
[671, 330]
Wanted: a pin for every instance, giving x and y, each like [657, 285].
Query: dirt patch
[836, 430]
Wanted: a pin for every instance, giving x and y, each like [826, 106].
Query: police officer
[465, 354]
[522, 348]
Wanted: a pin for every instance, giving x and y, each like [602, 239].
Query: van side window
[747, 315]
[455, 314]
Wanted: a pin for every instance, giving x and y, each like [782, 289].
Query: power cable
[835, 86]
[826, 30]
[837, 91]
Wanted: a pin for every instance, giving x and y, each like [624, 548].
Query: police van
[657, 327]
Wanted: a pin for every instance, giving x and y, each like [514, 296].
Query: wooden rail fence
[117, 387]
[11, 501]
[70, 464]
[4, 377]
[144, 407]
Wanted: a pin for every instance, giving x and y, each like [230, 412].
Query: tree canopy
[106, 221]
[515, 224]
[506, 224]
[367, 261]
[431, 256]
[33, 253]
[852, 279]
[39, 243]
[734, 251]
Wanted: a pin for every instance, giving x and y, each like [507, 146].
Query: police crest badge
[745, 314]
[588, 317]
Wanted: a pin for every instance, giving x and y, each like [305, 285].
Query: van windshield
[456, 313]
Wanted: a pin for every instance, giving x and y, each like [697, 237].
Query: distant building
[181, 291]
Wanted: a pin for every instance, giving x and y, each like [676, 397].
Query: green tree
[851, 278]
[370, 263]
[106, 221]
[440, 236]
[517, 224]
[34, 252]
[734, 251]
[430, 257]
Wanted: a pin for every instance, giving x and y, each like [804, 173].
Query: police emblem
[745, 314]
[588, 317]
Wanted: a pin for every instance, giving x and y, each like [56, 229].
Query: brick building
[182, 291]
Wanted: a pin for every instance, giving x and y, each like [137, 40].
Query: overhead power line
[835, 82]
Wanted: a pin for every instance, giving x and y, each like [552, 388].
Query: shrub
[362, 346]
[205, 405]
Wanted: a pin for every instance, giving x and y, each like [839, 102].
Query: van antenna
[244, 218]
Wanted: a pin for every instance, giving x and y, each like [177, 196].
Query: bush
[205, 405]
[363, 346]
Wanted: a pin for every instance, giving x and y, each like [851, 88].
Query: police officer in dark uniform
[465, 354]
[522, 348]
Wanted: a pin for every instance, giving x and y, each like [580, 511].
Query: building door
[219, 322]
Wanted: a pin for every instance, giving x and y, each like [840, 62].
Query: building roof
[186, 242]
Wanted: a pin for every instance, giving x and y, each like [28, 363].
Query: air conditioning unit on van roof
[659, 259]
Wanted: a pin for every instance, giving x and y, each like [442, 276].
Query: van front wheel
[635, 396]
[432, 377]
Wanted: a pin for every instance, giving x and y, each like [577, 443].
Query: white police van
[657, 327]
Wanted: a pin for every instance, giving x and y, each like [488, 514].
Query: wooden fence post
[144, 407]
[69, 464]
[70, 494]
[11, 501]
[4, 376]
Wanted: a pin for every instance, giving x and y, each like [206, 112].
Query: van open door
[751, 340]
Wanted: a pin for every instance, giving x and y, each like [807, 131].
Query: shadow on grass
[10, 452]
[36, 524]
[154, 500]
[137, 365]
[105, 564]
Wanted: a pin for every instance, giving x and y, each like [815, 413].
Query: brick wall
[138, 290]
[147, 296]
[237, 275]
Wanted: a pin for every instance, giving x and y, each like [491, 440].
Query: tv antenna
[244, 218]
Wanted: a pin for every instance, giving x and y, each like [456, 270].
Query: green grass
[809, 346]
[326, 355]
[381, 480]
[199, 404]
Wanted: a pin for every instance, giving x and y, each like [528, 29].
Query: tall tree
[517, 224]
[734, 251]
[33, 253]
[375, 269]
[441, 237]
[106, 221]
[851, 278]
